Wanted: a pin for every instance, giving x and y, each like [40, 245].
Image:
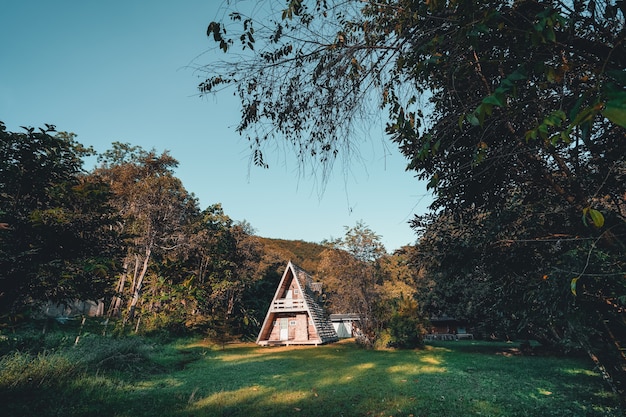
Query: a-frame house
[294, 316]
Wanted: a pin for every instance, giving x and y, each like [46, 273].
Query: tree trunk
[116, 302]
[137, 288]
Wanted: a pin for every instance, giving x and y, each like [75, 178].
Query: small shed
[295, 317]
[447, 328]
[444, 324]
[345, 324]
[73, 308]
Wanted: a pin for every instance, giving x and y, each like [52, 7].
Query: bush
[33, 359]
[384, 340]
[22, 369]
[131, 353]
[404, 329]
[406, 332]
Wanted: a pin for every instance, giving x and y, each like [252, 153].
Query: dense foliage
[127, 234]
[360, 278]
[56, 235]
[184, 269]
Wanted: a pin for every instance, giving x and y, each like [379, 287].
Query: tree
[155, 209]
[350, 276]
[490, 269]
[362, 243]
[57, 243]
[400, 273]
[360, 277]
[524, 82]
[232, 270]
[498, 105]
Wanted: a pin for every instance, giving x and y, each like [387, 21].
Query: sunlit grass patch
[485, 408]
[430, 360]
[159, 383]
[580, 371]
[229, 398]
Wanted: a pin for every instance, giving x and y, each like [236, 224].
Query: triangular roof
[304, 283]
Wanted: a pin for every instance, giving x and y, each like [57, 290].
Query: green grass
[118, 377]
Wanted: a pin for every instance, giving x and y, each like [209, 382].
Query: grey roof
[325, 329]
[344, 316]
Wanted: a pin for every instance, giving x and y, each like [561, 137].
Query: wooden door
[284, 328]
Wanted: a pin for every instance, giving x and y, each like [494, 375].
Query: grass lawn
[190, 378]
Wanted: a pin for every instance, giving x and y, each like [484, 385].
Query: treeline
[128, 233]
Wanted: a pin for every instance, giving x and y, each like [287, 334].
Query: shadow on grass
[480, 347]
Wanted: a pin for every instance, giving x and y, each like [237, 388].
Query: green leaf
[615, 108]
[517, 75]
[574, 111]
[573, 285]
[214, 29]
[434, 181]
[597, 218]
[531, 135]
[507, 84]
[618, 75]
[473, 119]
[493, 99]
[478, 29]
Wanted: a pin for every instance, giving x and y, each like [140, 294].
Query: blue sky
[121, 70]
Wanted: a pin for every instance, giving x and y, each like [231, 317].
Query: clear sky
[121, 70]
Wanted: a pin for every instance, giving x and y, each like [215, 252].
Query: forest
[514, 113]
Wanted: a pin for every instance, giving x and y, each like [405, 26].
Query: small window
[292, 322]
[296, 291]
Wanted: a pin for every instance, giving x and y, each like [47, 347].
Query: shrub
[54, 359]
[406, 332]
[127, 354]
[22, 369]
[405, 328]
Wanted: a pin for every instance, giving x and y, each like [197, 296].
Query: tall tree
[56, 242]
[499, 105]
[351, 277]
[155, 208]
[231, 259]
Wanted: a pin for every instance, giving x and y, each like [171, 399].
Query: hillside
[304, 254]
